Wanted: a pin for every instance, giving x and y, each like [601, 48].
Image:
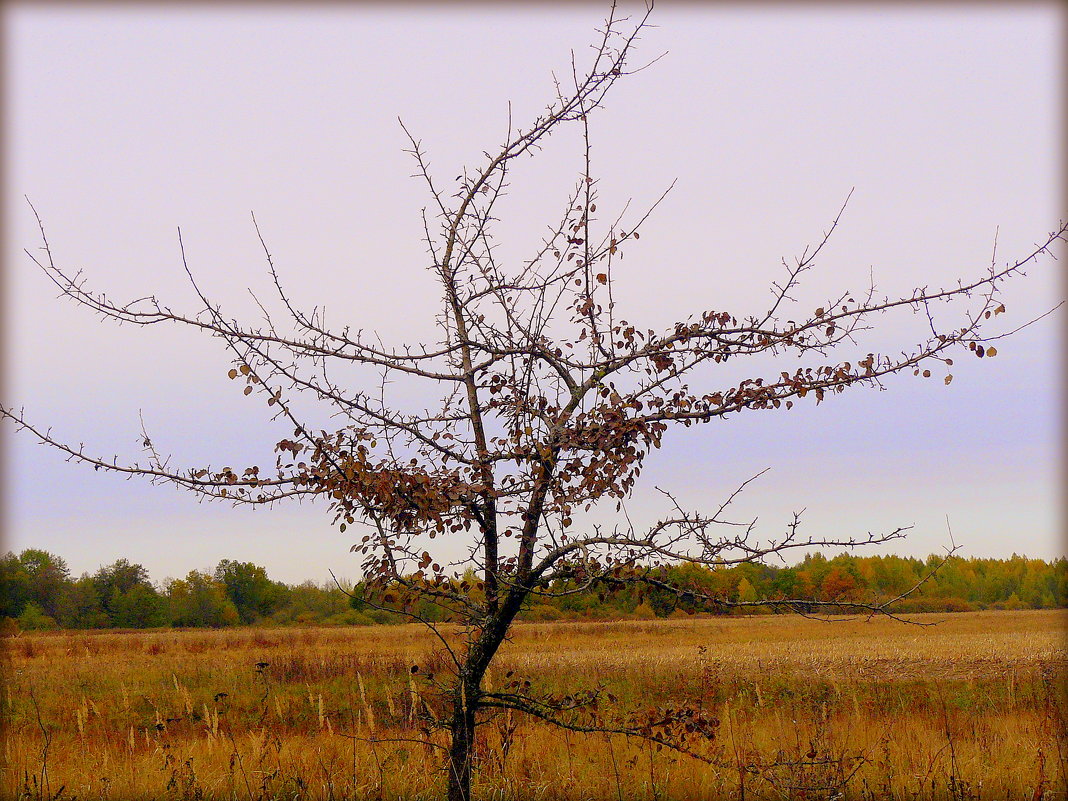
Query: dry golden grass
[972, 708]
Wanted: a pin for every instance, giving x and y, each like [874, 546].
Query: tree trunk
[468, 693]
[462, 750]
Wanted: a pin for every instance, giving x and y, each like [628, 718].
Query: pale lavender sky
[124, 122]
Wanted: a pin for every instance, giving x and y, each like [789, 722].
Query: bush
[542, 613]
[916, 605]
[34, 617]
[350, 617]
[381, 616]
[1013, 602]
[957, 605]
[644, 611]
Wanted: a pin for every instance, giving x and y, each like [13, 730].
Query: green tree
[785, 584]
[1060, 582]
[200, 600]
[48, 577]
[746, 592]
[34, 617]
[253, 594]
[80, 606]
[141, 607]
[14, 586]
[116, 580]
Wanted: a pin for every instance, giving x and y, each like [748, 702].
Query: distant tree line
[38, 592]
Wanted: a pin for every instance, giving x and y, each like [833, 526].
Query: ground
[973, 707]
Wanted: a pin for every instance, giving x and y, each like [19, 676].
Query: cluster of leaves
[684, 728]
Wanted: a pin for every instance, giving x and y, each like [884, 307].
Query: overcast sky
[124, 122]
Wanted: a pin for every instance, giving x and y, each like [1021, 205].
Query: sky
[124, 122]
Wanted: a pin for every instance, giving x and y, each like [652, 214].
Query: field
[974, 707]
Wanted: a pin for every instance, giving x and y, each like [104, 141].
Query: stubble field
[975, 707]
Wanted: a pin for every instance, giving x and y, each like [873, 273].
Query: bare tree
[550, 400]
